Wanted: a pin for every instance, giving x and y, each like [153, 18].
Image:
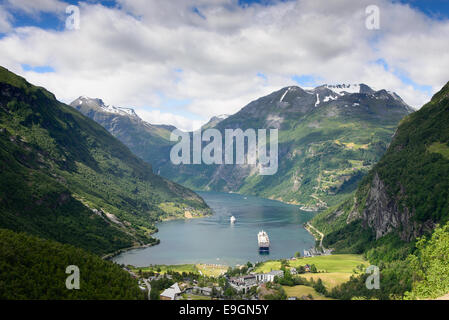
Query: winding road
[320, 233]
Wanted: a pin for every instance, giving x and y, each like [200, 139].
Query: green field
[180, 268]
[299, 291]
[211, 270]
[204, 269]
[344, 263]
[330, 280]
[333, 263]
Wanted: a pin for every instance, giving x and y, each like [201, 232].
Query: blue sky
[179, 61]
[437, 9]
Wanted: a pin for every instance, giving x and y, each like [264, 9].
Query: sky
[181, 62]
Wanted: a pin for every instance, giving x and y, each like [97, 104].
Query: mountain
[329, 138]
[34, 268]
[142, 138]
[66, 178]
[214, 121]
[405, 195]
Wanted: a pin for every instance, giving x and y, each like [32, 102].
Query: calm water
[215, 240]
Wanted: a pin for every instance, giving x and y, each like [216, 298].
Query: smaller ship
[232, 219]
[263, 241]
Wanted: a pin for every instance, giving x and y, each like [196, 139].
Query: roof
[171, 292]
[276, 272]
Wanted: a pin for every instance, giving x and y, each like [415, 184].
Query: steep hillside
[145, 140]
[65, 178]
[406, 194]
[33, 268]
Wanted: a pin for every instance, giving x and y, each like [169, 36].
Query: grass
[299, 291]
[211, 270]
[333, 263]
[180, 268]
[345, 263]
[440, 148]
[204, 269]
[330, 280]
[333, 269]
[195, 297]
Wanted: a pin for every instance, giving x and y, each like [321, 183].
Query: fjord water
[215, 240]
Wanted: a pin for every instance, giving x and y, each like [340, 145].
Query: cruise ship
[263, 240]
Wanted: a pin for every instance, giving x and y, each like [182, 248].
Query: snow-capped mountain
[215, 120]
[143, 138]
[99, 104]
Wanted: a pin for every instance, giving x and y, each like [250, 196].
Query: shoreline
[115, 253]
[111, 255]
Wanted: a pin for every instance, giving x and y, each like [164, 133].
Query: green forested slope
[407, 191]
[34, 268]
[65, 178]
[405, 196]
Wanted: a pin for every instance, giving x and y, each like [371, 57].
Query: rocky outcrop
[383, 214]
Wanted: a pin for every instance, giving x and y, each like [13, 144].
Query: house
[307, 267]
[269, 277]
[205, 291]
[171, 293]
[243, 283]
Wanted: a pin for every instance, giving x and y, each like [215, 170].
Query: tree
[301, 270]
[297, 254]
[230, 292]
[154, 294]
[319, 287]
[430, 266]
[313, 269]
[214, 292]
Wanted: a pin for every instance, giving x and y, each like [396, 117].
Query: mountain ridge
[66, 178]
[323, 118]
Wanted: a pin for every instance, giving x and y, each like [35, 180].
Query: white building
[269, 277]
[171, 293]
[244, 283]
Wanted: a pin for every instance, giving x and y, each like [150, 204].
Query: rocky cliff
[407, 191]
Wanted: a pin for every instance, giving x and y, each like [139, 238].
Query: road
[147, 283]
[144, 280]
[316, 230]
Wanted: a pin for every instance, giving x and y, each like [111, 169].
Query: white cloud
[144, 50]
[158, 117]
[37, 6]
[5, 20]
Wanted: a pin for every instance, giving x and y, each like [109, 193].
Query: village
[240, 283]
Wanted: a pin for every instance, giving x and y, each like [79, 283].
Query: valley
[329, 138]
[367, 191]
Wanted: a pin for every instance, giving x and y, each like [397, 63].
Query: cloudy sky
[180, 62]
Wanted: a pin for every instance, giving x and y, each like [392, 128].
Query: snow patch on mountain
[106, 108]
[341, 89]
[286, 91]
[328, 98]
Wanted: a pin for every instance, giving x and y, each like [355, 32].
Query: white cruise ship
[263, 241]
